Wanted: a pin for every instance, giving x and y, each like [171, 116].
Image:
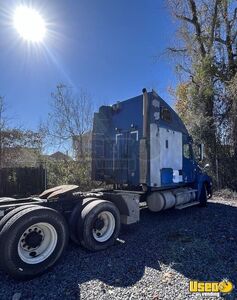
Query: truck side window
[165, 114]
[186, 151]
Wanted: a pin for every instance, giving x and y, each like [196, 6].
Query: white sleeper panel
[172, 156]
[165, 152]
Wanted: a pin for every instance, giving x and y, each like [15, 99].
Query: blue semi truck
[143, 152]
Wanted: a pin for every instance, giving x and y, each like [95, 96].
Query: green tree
[207, 60]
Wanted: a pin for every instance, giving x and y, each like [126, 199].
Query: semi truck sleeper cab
[143, 152]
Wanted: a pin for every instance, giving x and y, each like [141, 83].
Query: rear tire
[32, 241]
[74, 218]
[13, 212]
[99, 225]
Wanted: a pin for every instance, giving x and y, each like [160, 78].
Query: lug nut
[33, 254]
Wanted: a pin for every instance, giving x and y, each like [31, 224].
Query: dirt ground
[154, 259]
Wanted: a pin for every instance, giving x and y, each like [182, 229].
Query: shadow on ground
[199, 243]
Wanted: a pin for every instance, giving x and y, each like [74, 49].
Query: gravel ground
[155, 259]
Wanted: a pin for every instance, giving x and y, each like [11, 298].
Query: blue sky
[106, 47]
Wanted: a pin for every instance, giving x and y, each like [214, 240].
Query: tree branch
[234, 17]
[220, 40]
[184, 50]
[197, 25]
[228, 36]
[213, 26]
[181, 17]
[234, 36]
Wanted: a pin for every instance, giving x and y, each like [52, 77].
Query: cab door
[188, 162]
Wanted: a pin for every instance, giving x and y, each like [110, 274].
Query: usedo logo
[211, 288]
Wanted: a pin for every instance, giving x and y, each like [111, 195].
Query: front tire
[32, 241]
[203, 196]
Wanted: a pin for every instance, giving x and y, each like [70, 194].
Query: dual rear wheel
[95, 224]
[33, 238]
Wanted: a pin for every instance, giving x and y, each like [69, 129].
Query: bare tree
[70, 119]
[3, 124]
[206, 53]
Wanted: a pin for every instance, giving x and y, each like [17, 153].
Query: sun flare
[29, 24]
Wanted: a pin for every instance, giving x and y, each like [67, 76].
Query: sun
[29, 24]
